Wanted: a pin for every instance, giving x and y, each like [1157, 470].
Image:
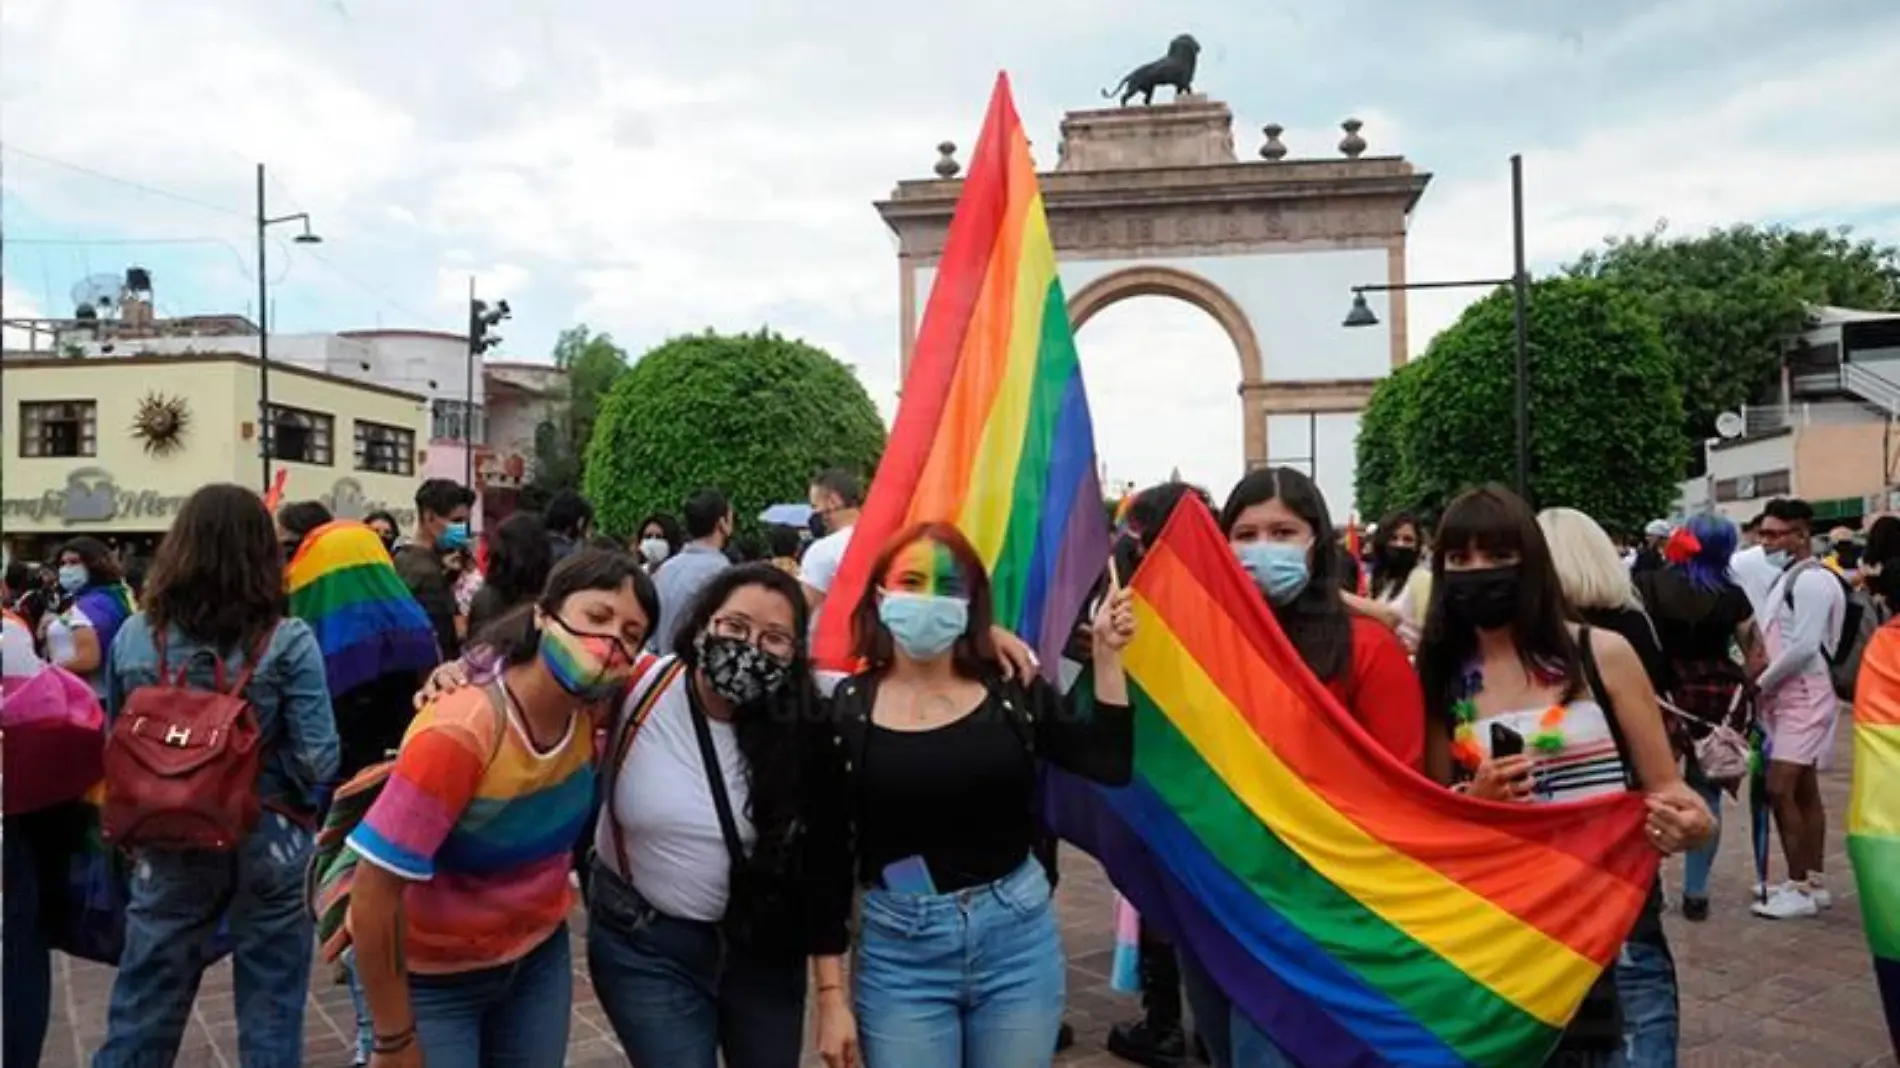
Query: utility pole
[481, 320]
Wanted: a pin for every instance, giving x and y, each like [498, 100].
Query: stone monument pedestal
[1191, 132]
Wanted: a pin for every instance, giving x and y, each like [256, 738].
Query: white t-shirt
[60, 645]
[17, 658]
[819, 567]
[666, 810]
[1801, 634]
[1755, 575]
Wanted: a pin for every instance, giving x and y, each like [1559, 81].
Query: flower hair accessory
[1681, 547]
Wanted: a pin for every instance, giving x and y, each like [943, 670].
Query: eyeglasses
[772, 642]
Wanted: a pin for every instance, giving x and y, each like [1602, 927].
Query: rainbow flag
[344, 585]
[1873, 816]
[1359, 913]
[993, 431]
[106, 606]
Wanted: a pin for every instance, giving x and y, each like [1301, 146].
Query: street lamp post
[265, 424]
[1361, 314]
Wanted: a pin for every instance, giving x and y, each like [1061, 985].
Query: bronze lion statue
[1176, 69]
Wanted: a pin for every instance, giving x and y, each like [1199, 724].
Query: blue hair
[1708, 568]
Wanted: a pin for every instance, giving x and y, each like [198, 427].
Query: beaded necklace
[1548, 740]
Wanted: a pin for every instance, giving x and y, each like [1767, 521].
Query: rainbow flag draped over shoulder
[344, 585]
[993, 431]
[1359, 913]
[106, 607]
[1873, 815]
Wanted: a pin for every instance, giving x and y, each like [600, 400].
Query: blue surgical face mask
[72, 577]
[924, 625]
[1278, 567]
[1779, 559]
[454, 536]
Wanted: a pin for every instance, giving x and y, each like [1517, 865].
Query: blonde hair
[1589, 567]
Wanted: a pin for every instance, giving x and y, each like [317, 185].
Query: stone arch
[1151, 280]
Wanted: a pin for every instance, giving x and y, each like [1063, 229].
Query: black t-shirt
[960, 796]
[1634, 626]
[1694, 624]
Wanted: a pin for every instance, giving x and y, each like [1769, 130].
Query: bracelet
[395, 1043]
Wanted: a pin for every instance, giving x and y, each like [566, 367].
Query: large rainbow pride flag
[1359, 913]
[993, 430]
[367, 624]
[1873, 816]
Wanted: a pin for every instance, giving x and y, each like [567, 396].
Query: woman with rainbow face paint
[930, 809]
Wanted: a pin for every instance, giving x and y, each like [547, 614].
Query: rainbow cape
[993, 431]
[107, 607]
[1359, 913]
[1873, 816]
[367, 623]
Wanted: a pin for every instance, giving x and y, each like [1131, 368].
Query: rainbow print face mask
[591, 667]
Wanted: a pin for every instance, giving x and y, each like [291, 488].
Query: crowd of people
[436, 746]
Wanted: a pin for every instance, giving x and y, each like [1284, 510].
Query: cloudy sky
[650, 168]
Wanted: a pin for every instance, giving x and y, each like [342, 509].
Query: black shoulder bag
[763, 911]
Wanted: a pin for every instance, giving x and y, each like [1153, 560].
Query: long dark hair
[219, 573]
[767, 730]
[515, 634]
[101, 568]
[974, 653]
[1316, 620]
[299, 518]
[1495, 521]
[520, 558]
[1387, 579]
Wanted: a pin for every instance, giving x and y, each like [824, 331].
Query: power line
[126, 182]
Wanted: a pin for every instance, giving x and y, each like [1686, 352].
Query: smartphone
[1505, 742]
[909, 876]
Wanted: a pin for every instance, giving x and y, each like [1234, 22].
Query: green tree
[1605, 409]
[593, 364]
[754, 415]
[1728, 298]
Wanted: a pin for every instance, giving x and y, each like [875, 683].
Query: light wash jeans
[175, 902]
[972, 979]
[513, 1016]
[1696, 865]
[1646, 981]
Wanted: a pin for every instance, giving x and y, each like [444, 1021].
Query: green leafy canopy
[1605, 410]
[753, 415]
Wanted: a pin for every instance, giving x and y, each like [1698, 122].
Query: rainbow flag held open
[367, 624]
[1359, 913]
[1873, 815]
[993, 431]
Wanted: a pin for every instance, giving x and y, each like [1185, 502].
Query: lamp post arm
[1476, 283]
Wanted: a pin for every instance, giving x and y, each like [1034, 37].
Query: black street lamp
[1361, 314]
[266, 428]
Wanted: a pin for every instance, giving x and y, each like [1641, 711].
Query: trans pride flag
[993, 432]
[1362, 915]
[1873, 815]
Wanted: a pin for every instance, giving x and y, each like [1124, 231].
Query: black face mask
[1485, 599]
[1401, 557]
[817, 524]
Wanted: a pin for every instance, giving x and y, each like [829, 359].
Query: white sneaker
[1822, 899]
[1787, 902]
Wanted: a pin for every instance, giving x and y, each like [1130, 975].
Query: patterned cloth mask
[737, 670]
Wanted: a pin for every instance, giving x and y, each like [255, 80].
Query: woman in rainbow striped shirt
[459, 916]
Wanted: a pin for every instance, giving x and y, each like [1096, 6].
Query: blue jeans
[1646, 981]
[973, 979]
[511, 1016]
[27, 974]
[359, 1000]
[1695, 866]
[174, 903]
[1233, 1040]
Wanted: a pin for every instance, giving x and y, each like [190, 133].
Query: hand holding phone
[1505, 742]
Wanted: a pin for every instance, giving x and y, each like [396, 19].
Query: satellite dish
[1730, 424]
[100, 291]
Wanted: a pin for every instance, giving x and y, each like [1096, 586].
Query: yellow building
[112, 446]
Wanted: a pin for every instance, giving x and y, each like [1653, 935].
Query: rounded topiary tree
[1606, 410]
[753, 415]
[1382, 471]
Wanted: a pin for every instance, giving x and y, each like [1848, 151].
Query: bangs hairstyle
[515, 634]
[1589, 568]
[974, 653]
[219, 574]
[1495, 521]
[1315, 621]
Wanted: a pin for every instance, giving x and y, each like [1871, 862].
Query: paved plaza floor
[1755, 993]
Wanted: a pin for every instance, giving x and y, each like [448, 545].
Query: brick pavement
[1755, 994]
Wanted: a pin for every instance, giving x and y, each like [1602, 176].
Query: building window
[387, 450]
[59, 428]
[300, 437]
[450, 421]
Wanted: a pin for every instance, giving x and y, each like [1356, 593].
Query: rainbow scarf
[107, 606]
[993, 431]
[367, 623]
[1873, 816]
[1360, 914]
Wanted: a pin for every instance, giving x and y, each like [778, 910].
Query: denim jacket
[287, 690]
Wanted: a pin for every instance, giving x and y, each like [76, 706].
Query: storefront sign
[346, 500]
[91, 496]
